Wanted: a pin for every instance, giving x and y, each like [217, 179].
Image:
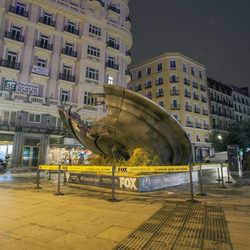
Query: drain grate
[181, 226]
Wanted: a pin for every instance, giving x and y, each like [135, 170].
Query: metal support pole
[228, 176]
[191, 182]
[218, 171]
[49, 175]
[64, 176]
[59, 182]
[113, 184]
[38, 178]
[222, 177]
[200, 183]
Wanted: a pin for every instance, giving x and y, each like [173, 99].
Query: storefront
[6, 145]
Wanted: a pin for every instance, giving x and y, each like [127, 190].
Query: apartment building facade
[228, 104]
[179, 85]
[55, 52]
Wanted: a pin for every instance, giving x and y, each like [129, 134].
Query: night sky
[213, 32]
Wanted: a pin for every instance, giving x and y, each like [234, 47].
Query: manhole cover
[181, 226]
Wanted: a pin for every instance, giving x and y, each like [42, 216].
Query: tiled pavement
[84, 219]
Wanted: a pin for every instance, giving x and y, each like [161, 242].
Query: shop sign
[40, 70]
[21, 87]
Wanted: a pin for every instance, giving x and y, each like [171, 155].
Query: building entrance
[31, 153]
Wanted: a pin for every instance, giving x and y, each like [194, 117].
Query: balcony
[174, 92]
[71, 30]
[159, 82]
[173, 79]
[67, 77]
[113, 8]
[112, 65]
[19, 11]
[186, 81]
[187, 94]
[175, 107]
[189, 124]
[206, 126]
[198, 125]
[203, 99]
[188, 108]
[159, 94]
[195, 85]
[198, 139]
[214, 112]
[113, 45]
[205, 112]
[47, 21]
[14, 36]
[148, 85]
[10, 64]
[196, 97]
[69, 52]
[212, 98]
[44, 45]
[197, 110]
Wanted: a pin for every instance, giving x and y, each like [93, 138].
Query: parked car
[217, 158]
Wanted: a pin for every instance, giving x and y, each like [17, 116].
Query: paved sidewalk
[84, 219]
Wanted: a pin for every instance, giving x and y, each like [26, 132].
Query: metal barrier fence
[113, 170]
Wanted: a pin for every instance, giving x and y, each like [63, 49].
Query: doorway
[31, 152]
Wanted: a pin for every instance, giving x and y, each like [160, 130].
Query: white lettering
[128, 183]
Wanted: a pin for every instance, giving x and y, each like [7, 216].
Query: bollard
[228, 176]
[200, 183]
[222, 177]
[38, 178]
[49, 175]
[59, 182]
[219, 179]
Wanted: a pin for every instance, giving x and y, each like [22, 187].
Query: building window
[159, 67]
[71, 26]
[11, 56]
[94, 30]
[139, 74]
[200, 74]
[184, 68]
[20, 7]
[192, 71]
[66, 70]
[92, 73]
[65, 96]
[110, 80]
[172, 64]
[93, 51]
[88, 99]
[44, 41]
[34, 118]
[41, 63]
[149, 71]
[161, 103]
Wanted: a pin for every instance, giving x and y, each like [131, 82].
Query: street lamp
[219, 137]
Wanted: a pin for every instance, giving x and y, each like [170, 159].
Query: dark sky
[214, 32]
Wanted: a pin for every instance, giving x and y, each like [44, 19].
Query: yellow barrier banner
[103, 169]
[153, 169]
[108, 169]
[48, 167]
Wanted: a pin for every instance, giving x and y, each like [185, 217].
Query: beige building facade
[178, 84]
[55, 52]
